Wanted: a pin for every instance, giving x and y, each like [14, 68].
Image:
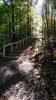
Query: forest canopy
[17, 18]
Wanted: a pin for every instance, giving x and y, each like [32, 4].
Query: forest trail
[21, 79]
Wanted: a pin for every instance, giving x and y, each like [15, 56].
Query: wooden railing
[18, 44]
[27, 39]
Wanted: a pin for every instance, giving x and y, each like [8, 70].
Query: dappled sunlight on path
[22, 80]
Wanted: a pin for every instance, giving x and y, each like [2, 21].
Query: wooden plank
[4, 51]
[11, 48]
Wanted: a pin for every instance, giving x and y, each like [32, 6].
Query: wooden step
[14, 54]
[11, 57]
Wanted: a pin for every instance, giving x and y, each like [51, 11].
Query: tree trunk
[13, 27]
[28, 31]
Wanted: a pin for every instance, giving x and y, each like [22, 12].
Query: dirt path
[20, 80]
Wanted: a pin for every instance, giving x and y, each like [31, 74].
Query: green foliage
[19, 21]
[49, 20]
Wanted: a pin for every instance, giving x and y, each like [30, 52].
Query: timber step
[11, 57]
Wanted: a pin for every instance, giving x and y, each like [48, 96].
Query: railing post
[20, 43]
[3, 51]
[26, 39]
[16, 45]
[11, 47]
[23, 42]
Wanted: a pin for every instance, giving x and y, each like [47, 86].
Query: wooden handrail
[11, 45]
[16, 42]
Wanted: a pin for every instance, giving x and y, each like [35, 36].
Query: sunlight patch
[8, 73]
[26, 66]
[1, 2]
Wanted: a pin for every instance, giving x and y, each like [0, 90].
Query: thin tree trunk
[28, 31]
[13, 26]
[20, 18]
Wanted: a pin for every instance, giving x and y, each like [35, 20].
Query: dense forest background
[17, 18]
